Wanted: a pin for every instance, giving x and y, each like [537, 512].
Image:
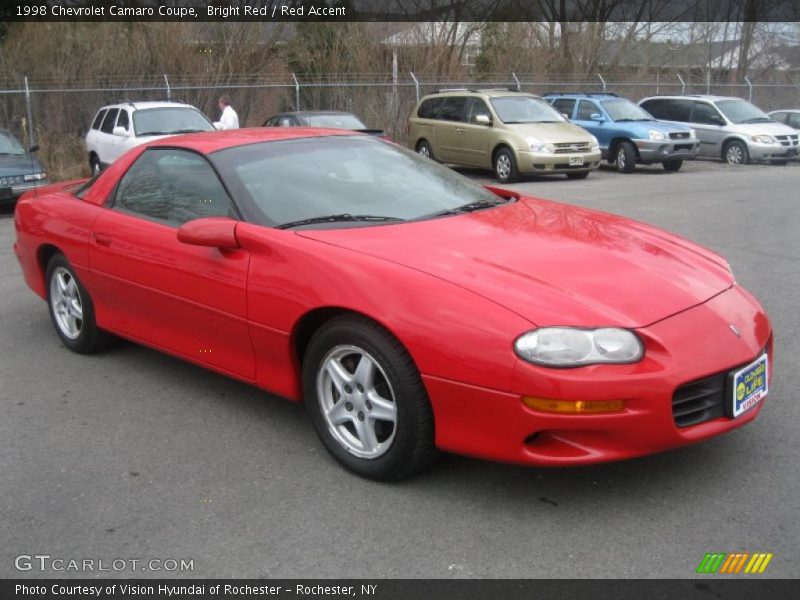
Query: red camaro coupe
[411, 309]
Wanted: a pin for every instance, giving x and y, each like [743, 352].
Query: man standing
[229, 118]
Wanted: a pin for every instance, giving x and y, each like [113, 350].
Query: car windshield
[168, 120]
[345, 181]
[741, 111]
[625, 110]
[525, 109]
[334, 121]
[10, 145]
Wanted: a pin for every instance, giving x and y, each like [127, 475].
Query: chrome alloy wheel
[65, 300]
[621, 159]
[357, 401]
[503, 166]
[734, 154]
[424, 151]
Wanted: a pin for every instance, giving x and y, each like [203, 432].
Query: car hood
[765, 128]
[643, 127]
[19, 164]
[551, 132]
[552, 263]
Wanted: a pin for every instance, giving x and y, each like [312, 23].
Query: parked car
[511, 133]
[627, 134]
[789, 116]
[324, 119]
[117, 128]
[729, 128]
[20, 170]
[549, 334]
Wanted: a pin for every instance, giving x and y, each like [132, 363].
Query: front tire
[672, 165]
[505, 166]
[735, 153]
[367, 401]
[581, 175]
[626, 157]
[71, 309]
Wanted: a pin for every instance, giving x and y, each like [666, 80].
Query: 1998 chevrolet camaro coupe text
[412, 309]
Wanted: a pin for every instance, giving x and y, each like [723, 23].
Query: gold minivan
[512, 133]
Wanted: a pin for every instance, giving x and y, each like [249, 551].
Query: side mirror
[597, 117]
[33, 148]
[214, 232]
[483, 120]
[717, 120]
[120, 131]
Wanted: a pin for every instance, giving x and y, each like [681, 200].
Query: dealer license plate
[575, 161]
[749, 385]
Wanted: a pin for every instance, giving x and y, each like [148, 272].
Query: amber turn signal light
[573, 407]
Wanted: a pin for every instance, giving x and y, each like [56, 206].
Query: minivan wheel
[505, 166]
[626, 157]
[735, 153]
[424, 149]
[366, 399]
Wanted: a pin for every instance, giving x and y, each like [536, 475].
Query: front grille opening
[700, 401]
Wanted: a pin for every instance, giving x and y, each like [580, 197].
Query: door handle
[459, 130]
[102, 239]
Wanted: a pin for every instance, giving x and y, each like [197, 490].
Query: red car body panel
[456, 291]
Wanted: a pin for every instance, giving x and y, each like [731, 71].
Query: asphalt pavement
[134, 455]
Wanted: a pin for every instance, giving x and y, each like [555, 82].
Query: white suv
[119, 127]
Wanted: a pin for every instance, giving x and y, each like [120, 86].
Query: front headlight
[35, 177]
[692, 133]
[536, 146]
[573, 347]
[764, 139]
[595, 143]
[655, 135]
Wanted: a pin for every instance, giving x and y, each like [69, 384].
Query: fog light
[574, 407]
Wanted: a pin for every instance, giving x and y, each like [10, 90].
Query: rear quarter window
[109, 120]
[99, 118]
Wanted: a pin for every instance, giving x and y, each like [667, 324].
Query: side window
[122, 120]
[99, 119]
[793, 120]
[585, 110]
[669, 110]
[174, 186]
[429, 108]
[452, 108]
[109, 120]
[705, 114]
[565, 106]
[780, 117]
[475, 107]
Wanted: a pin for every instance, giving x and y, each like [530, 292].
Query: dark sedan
[20, 170]
[324, 119]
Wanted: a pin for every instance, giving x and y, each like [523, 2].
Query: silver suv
[728, 128]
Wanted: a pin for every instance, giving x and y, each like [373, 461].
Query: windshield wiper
[192, 130]
[465, 208]
[757, 120]
[336, 219]
[154, 133]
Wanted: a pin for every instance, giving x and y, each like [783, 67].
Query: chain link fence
[55, 114]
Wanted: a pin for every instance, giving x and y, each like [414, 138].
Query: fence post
[683, 84]
[519, 86]
[296, 92]
[416, 84]
[708, 81]
[30, 113]
[169, 91]
[603, 80]
[749, 89]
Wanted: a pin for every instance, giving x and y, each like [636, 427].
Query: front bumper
[533, 163]
[651, 151]
[692, 345]
[9, 194]
[762, 152]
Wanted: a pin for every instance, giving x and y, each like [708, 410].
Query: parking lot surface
[132, 454]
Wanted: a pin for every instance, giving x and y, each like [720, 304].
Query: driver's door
[188, 300]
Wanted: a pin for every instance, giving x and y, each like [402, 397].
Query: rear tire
[94, 164]
[71, 309]
[366, 400]
[626, 157]
[672, 165]
[581, 175]
[424, 149]
[505, 166]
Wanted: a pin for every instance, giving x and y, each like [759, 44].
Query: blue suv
[627, 133]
